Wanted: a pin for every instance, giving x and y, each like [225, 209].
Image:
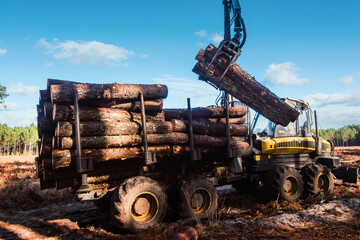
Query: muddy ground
[28, 213]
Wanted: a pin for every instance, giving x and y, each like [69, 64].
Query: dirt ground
[28, 213]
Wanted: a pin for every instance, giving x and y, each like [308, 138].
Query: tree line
[345, 136]
[18, 140]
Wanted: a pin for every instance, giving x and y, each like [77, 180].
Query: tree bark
[48, 110]
[201, 112]
[133, 106]
[64, 158]
[242, 86]
[240, 120]
[124, 92]
[44, 96]
[45, 126]
[66, 113]
[125, 140]
[46, 146]
[67, 129]
[207, 127]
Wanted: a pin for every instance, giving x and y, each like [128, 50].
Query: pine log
[67, 129]
[178, 125]
[46, 146]
[125, 140]
[242, 86]
[40, 111]
[201, 112]
[64, 158]
[133, 106]
[58, 82]
[44, 96]
[66, 113]
[206, 127]
[46, 126]
[48, 110]
[65, 93]
[240, 120]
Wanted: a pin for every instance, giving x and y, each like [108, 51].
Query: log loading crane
[286, 155]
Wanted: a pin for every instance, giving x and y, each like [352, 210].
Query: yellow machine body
[292, 145]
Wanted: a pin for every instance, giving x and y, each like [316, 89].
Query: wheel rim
[323, 183]
[144, 207]
[291, 186]
[200, 201]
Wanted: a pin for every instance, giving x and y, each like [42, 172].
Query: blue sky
[299, 49]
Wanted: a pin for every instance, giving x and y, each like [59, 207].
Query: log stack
[111, 131]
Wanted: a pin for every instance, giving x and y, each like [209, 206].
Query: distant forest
[345, 136]
[18, 140]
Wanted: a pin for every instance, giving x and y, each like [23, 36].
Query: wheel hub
[144, 207]
[196, 200]
[141, 206]
[200, 201]
[290, 185]
[323, 183]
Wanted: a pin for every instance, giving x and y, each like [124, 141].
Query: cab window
[288, 131]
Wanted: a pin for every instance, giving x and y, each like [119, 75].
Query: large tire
[287, 183]
[318, 180]
[198, 198]
[138, 203]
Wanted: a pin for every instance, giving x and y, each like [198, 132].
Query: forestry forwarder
[137, 190]
[286, 157]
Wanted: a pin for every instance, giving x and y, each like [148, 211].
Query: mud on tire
[286, 183]
[197, 198]
[138, 203]
[318, 179]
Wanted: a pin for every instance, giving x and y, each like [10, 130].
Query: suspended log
[66, 113]
[63, 158]
[125, 92]
[124, 140]
[241, 120]
[67, 129]
[201, 112]
[242, 86]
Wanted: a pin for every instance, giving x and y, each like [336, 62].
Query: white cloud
[283, 74]
[13, 119]
[346, 80]
[144, 56]
[216, 38]
[22, 89]
[48, 64]
[3, 51]
[86, 52]
[337, 119]
[9, 106]
[201, 33]
[324, 99]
